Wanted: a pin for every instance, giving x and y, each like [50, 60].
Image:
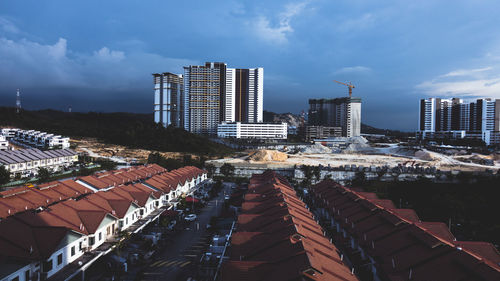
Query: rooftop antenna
[18, 101]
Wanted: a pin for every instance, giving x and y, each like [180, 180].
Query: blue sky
[99, 55]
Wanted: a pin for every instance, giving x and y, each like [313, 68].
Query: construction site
[377, 159]
[346, 150]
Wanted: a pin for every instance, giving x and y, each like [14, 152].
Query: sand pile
[316, 149]
[264, 155]
[358, 147]
[424, 155]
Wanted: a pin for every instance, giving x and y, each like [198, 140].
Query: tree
[107, 165]
[201, 161]
[210, 170]
[227, 170]
[122, 236]
[308, 172]
[4, 175]
[317, 172]
[187, 160]
[359, 179]
[43, 175]
[154, 158]
[84, 171]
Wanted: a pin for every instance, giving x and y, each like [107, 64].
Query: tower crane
[350, 86]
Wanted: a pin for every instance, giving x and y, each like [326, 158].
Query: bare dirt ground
[118, 152]
[388, 156]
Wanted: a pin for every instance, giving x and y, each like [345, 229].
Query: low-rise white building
[240, 130]
[26, 162]
[9, 132]
[36, 138]
[4, 144]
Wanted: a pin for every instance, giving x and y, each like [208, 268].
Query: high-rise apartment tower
[445, 118]
[215, 93]
[169, 92]
[340, 112]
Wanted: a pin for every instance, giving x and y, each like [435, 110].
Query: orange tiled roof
[277, 238]
[400, 243]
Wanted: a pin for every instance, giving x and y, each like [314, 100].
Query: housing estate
[47, 230]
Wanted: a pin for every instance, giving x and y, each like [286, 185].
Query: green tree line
[129, 129]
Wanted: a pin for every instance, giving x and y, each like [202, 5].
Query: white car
[190, 217]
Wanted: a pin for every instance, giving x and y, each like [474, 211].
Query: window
[91, 241]
[15, 279]
[120, 224]
[100, 236]
[81, 246]
[73, 250]
[59, 259]
[47, 266]
[27, 275]
[126, 220]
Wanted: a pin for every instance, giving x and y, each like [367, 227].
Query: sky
[99, 55]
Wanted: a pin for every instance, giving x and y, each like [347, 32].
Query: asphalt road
[178, 260]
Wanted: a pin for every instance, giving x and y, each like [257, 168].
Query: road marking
[184, 264]
[170, 263]
[192, 250]
[177, 263]
[191, 256]
[155, 263]
[161, 264]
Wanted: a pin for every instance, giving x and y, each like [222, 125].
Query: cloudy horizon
[99, 56]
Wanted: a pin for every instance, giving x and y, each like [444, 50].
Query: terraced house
[26, 162]
[46, 231]
[343, 234]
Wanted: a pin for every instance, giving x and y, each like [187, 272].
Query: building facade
[26, 162]
[4, 144]
[214, 93]
[249, 94]
[339, 112]
[322, 132]
[241, 130]
[64, 222]
[205, 97]
[454, 118]
[169, 92]
[37, 139]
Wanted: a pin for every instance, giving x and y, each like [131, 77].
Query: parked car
[190, 217]
[171, 225]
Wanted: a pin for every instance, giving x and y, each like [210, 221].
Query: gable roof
[400, 243]
[277, 238]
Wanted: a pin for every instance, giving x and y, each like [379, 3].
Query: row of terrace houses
[384, 242]
[37, 139]
[277, 238]
[26, 162]
[45, 228]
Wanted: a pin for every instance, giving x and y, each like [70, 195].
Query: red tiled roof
[20, 240]
[400, 243]
[21, 199]
[277, 238]
[122, 176]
